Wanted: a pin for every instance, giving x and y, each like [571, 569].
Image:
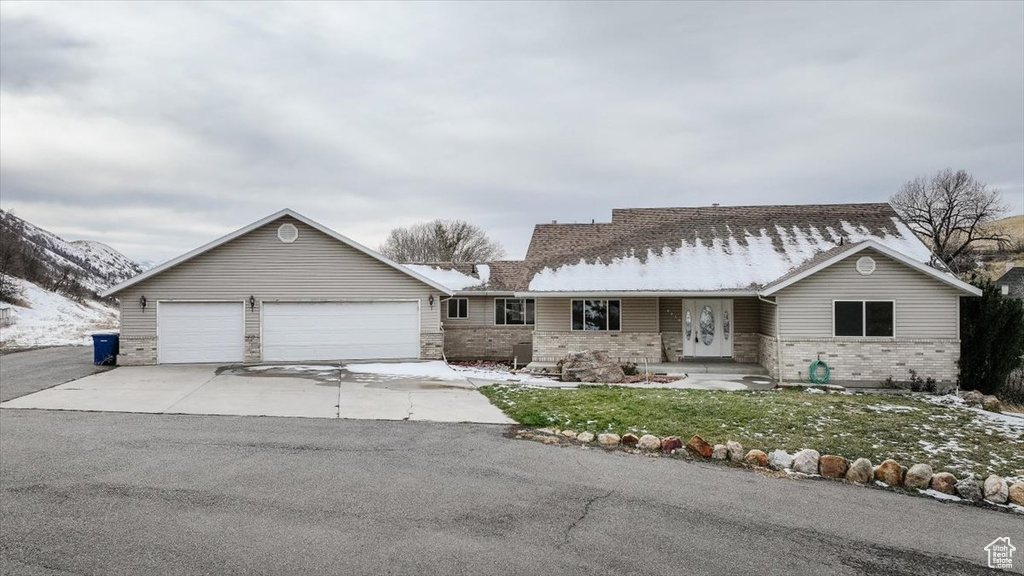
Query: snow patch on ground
[433, 369]
[940, 495]
[53, 320]
[499, 375]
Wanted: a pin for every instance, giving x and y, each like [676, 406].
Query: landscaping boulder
[991, 403]
[832, 466]
[720, 452]
[806, 461]
[919, 476]
[591, 366]
[585, 437]
[608, 439]
[756, 458]
[780, 459]
[861, 471]
[698, 447]
[968, 489]
[550, 439]
[944, 482]
[735, 451]
[630, 439]
[1015, 494]
[670, 444]
[569, 433]
[889, 472]
[973, 398]
[650, 442]
[996, 490]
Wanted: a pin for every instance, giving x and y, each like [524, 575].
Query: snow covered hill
[52, 319]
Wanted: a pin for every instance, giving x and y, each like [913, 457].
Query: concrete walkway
[318, 391]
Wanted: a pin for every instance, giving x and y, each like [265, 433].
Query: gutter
[641, 293]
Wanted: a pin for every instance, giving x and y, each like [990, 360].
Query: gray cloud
[156, 127]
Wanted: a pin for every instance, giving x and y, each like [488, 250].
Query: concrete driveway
[389, 391]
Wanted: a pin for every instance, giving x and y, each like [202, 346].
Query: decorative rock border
[805, 463]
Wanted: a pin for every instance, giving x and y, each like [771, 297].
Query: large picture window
[864, 318]
[458, 308]
[514, 311]
[596, 314]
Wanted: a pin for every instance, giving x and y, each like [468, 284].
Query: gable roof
[499, 276]
[263, 222]
[705, 249]
[1014, 278]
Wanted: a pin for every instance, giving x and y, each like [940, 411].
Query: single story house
[777, 285]
[781, 286]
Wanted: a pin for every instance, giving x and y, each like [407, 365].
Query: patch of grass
[873, 426]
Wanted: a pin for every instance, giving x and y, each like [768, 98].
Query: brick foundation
[252, 353]
[873, 360]
[623, 346]
[672, 345]
[431, 345]
[137, 351]
[744, 347]
[767, 352]
[484, 342]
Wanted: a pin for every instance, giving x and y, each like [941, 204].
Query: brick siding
[484, 342]
[873, 360]
[623, 346]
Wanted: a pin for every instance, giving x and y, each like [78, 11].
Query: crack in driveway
[583, 516]
[408, 412]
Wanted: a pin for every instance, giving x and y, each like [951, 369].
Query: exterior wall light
[252, 303]
[430, 300]
[142, 302]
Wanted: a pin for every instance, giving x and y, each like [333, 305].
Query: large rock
[699, 447]
[1015, 494]
[806, 461]
[608, 439]
[670, 444]
[968, 489]
[992, 404]
[861, 471]
[585, 437]
[889, 472]
[996, 490]
[756, 458]
[630, 439]
[832, 466]
[918, 476]
[943, 482]
[735, 451]
[973, 398]
[720, 452]
[650, 442]
[780, 459]
[591, 367]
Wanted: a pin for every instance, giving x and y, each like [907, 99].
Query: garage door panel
[301, 331]
[199, 332]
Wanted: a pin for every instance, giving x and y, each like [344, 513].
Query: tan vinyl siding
[745, 315]
[670, 311]
[767, 314]
[638, 314]
[925, 307]
[314, 267]
[481, 312]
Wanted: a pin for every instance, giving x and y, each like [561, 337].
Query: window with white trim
[458, 308]
[596, 315]
[514, 311]
[864, 318]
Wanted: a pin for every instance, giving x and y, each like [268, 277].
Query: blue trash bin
[105, 346]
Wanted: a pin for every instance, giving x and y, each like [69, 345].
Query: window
[514, 311]
[458, 308]
[864, 318]
[596, 314]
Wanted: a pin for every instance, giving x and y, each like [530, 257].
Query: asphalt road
[30, 371]
[103, 493]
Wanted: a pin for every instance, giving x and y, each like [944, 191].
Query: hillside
[994, 259]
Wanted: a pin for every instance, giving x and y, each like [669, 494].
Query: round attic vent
[865, 265]
[287, 233]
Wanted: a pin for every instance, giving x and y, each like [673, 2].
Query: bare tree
[951, 210]
[441, 241]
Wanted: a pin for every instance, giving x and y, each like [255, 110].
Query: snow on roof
[449, 276]
[728, 259]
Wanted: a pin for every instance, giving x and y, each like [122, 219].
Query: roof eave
[639, 293]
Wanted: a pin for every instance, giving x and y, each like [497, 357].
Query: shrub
[992, 339]
[630, 369]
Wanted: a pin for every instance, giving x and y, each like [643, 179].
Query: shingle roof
[497, 276]
[704, 248]
[1014, 278]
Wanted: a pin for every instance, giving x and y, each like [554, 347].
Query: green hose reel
[813, 372]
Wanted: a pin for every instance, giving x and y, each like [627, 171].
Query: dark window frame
[528, 311]
[461, 308]
[865, 322]
[607, 302]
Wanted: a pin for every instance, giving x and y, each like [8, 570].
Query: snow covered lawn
[53, 320]
[909, 429]
[441, 371]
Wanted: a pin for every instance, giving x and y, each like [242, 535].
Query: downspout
[440, 324]
[778, 342]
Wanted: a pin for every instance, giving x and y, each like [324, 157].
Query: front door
[707, 328]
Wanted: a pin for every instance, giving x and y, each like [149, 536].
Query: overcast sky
[158, 127]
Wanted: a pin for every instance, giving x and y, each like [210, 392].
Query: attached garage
[297, 331]
[195, 332]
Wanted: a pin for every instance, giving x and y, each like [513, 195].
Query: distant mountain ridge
[78, 269]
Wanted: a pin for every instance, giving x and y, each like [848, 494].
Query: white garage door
[200, 332]
[301, 331]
